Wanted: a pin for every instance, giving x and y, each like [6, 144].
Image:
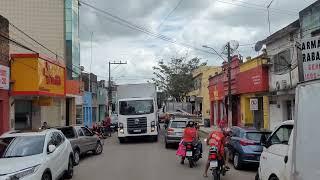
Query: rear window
[178, 124]
[256, 136]
[68, 132]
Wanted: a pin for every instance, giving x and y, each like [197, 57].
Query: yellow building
[253, 84]
[199, 97]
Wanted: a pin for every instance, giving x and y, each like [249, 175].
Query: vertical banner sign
[254, 104]
[310, 48]
[4, 77]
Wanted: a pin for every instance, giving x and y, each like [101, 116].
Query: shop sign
[4, 77]
[311, 58]
[45, 77]
[254, 104]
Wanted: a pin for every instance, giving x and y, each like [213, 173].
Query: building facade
[253, 87]
[102, 100]
[4, 76]
[50, 28]
[199, 97]
[283, 72]
[38, 89]
[217, 99]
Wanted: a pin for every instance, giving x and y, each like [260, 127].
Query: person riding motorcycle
[217, 138]
[190, 134]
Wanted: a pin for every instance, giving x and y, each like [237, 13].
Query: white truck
[137, 111]
[292, 151]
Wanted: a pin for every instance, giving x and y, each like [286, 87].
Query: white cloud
[194, 22]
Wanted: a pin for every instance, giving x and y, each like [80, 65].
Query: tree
[175, 77]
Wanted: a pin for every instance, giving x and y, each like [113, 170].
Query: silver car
[82, 140]
[174, 131]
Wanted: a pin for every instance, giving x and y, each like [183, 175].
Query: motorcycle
[215, 164]
[193, 153]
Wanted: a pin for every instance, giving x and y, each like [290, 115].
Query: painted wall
[87, 108]
[204, 73]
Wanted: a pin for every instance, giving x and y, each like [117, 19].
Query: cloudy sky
[188, 23]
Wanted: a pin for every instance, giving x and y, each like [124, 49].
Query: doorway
[23, 114]
[258, 115]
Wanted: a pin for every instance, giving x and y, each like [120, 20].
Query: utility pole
[229, 87]
[269, 15]
[109, 85]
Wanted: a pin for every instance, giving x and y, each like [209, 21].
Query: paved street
[143, 161]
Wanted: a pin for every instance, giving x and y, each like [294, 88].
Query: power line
[169, 14]
[263, 6]
[126, 23]
[257, 8]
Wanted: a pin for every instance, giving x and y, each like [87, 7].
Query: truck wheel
[273, 178]
[155, 138]
[257, 176]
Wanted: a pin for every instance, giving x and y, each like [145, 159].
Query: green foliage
[175, 77]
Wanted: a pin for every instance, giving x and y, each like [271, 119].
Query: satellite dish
[233, 47]
[258, 46]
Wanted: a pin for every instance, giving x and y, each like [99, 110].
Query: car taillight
[244, 142]
[170, 131]
[213, 156]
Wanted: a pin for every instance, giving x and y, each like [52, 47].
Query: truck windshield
[136, 107]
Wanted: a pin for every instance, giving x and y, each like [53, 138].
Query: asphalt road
[143, 161]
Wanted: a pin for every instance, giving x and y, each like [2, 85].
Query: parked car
[82, 141]
[174, 131]
[42, 155]
[244, 146]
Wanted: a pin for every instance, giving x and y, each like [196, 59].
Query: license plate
[178, 133]
[189, 153]
[137, 130]
[213, 164]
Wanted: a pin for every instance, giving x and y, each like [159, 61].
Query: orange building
[39, 90]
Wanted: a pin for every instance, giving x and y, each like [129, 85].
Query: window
[68, 132]
[178, 124]
[21, 146]
[56, 139]
[282, 61]
[86, 131]
[136, 107]
[235, 132]
[256, 136]
[79, 115]
[80, 133]
[282, 135]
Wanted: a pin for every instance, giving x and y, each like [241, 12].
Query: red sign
[253, 80]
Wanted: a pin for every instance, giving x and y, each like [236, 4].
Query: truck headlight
[25, 172]
[121, 131]
[153, 129]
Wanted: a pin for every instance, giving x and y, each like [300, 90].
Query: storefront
[38, 90]
[216, 95]
[87, 109]
[253, 87]
[72, 92]
[4, 99]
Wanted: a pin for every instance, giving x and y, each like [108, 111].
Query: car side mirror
[264, 141]
[51, 148]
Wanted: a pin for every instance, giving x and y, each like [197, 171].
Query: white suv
[45, 155]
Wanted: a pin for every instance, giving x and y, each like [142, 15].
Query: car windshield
[256, 136]
[136, 107]
[178, 124]
[21, 146]
[68, 132]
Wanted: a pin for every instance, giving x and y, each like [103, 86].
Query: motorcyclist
[190, 134]
[106, 123]
[217, 138]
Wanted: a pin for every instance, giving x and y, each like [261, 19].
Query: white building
[283, 72]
